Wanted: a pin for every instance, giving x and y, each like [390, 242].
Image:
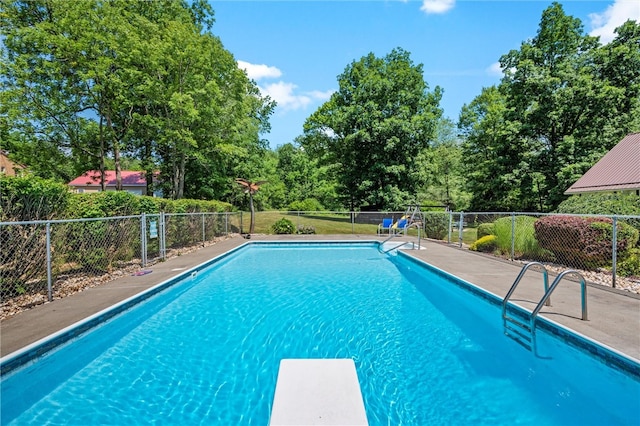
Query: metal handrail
[583, 296]
[517, 281]
[547, 295]
[394, 248]
[418, 226]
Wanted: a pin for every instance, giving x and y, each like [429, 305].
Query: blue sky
[295, 50]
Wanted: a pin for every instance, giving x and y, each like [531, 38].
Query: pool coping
[602, 352]
[35, 350]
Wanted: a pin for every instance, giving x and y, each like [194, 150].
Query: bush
[307, 205]
[630, 266]
[525, 245]
[306, 229]
[584, 242]
[485, 229]
[283, 226]
[604, 204]
[31, 198]
[486, 244]
[23, 247]
[436, 225]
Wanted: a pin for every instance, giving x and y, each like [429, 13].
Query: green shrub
[436, 225]
[197, 206]
[283, 226]
[31, 198]
[584, 242]
[630, 265]
[486, 244]
[307, 205]
[26, 199]
[604, 204]
[485, 229]
[306, 229]
[525, 245]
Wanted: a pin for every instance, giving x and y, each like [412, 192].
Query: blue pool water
[207, 350]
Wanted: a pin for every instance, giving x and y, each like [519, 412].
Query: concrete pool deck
[614, 316]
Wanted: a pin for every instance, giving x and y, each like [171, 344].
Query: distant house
[8, 167]
[132, 181]
[617, 171]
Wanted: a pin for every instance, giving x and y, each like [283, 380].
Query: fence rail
[42, 260]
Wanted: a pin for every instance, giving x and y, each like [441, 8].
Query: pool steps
[524, 332]
[318, 392]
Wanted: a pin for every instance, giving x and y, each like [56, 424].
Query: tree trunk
[253, 213]
[118, 166]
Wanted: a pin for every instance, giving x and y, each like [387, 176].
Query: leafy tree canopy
[372, 129]
[564, 101]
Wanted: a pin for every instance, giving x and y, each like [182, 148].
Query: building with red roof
[617, 171]
[132, 181]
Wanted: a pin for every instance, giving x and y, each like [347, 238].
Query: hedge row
[31, 198]
[584, 242]
[574, 241]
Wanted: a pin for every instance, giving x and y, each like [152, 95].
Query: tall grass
[525, 244]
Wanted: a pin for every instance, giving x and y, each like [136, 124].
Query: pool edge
[37, 349]
[598, 350]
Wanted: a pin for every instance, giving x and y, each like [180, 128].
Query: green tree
[88, 79]
[441, 172]
[564, 101]
[373, 128]
[572, 97]
[488, 150]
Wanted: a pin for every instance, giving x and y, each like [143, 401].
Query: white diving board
[318, 392]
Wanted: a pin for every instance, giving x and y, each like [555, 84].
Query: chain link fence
[604, 249]
[43, 260]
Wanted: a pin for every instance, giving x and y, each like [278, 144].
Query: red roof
[618, 170]
[92, 178]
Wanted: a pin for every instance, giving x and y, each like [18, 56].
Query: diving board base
[318, 392]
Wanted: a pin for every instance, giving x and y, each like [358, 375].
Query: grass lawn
[329, 223]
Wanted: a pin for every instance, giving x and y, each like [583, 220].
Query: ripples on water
[425, 353]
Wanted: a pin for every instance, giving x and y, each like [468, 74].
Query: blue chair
[400, 226]
[385, 225]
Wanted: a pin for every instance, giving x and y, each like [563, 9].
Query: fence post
[460, 228]
[449, 229]
[614, 252]
[143, 239]
[353, 220]
[513, 235]
[49, 274]
[226, 224]
[204, 238]
[241, 230]
[163, 237]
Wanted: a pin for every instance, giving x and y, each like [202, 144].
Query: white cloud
[494, 69]
[321, 96]
[437, 6]
[618, 13]
[259, 71]
[283, 93]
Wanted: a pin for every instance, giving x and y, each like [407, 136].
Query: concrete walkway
[614, 316]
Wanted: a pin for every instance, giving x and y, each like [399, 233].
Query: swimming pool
[206, 350]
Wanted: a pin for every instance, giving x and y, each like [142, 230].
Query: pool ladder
[417, 225]
[523, 331]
